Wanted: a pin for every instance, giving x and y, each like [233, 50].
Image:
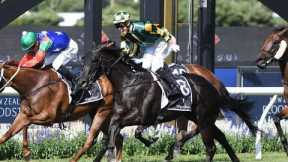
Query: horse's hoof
[168, 158]
[111, 156]
[72, 160]
[27, 155]
[176, 152]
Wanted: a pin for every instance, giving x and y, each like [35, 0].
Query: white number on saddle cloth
[184, 87]
[178, 71]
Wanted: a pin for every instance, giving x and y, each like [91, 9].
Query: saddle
[90, 93]
[186, 100]
[178, 71]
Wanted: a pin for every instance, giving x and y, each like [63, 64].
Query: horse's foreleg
[25, 150]
[19, 123]
[181, 138]
[114, 131]
[138, 134]
[105, 140]
[98, 120]
[103, 149]
[119, 147]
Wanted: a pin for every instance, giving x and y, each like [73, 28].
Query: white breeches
[65, 56]
[154, 56]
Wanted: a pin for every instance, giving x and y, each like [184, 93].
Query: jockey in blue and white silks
[48, 47]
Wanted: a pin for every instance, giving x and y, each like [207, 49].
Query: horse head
[105, 58]
[274, 47]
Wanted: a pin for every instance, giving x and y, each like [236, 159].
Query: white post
[258, 146]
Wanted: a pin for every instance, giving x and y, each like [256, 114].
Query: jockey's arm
[129, 48]
[27, 61]
[157, 30]
[30, 61]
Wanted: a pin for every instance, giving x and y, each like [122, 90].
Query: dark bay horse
[137, 99]
[274, 48]
[240, 106]
[44, 101]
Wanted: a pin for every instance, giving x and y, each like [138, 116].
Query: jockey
[45, 48]
[48, 48]
[155, 42]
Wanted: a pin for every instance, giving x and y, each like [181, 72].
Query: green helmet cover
[28, 40]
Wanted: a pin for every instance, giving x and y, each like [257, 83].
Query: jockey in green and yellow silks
[155, 41]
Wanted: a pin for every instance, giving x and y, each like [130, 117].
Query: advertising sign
[9, 107]
[253, 77]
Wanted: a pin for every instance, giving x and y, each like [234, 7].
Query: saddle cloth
[185, 103]
[92, 94]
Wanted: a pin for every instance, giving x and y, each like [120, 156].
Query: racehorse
[239, 106]
[107, 90]
[274, 48]
[45, 100]
[137, 100]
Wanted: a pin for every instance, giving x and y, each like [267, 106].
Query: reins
[27, 94]
[108, 71]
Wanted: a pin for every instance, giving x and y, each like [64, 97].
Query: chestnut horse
[274, 48]
[45, 100]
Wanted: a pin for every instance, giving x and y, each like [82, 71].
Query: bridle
[99, 61]
[7, 81]
[276, 52]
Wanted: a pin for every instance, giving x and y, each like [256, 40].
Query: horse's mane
[115, 51]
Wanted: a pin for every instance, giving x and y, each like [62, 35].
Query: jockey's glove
[174, 47]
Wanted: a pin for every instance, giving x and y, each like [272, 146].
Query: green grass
[267, 157]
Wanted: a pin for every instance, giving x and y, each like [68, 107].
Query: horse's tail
[239, 106]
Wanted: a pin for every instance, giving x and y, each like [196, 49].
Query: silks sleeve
[45, 45]
[31, 61]
[129, 48]
[156, 29]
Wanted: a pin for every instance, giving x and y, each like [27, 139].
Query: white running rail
[259, 91]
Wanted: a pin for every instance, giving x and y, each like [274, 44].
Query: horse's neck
[26, 80]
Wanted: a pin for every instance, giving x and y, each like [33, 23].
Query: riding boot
[67, 74]
[71, 77]
[166, 74]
